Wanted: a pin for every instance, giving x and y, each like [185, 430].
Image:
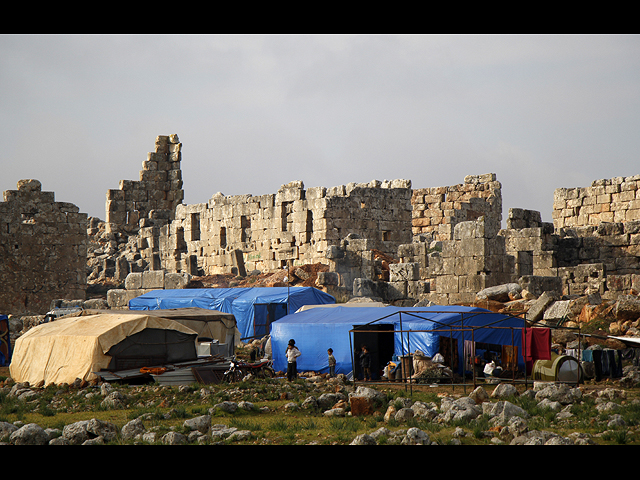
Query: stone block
[399, 272]
[363, 287]
[447, 284]
[537, 309]
[174, 281]
[328, 278]
[153, 279]
[119, 298]
[396, 290]
[557, 311]
[537, 285]
[417, 288]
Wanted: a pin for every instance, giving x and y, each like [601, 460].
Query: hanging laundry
[536, 345]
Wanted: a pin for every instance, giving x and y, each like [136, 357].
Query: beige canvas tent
[73, 347]
[210, 325]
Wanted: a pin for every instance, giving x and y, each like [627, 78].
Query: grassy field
[166, 408]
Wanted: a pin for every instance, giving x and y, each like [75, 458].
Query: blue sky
[80, 113]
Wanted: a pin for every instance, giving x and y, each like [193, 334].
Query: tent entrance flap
[152, 346]
[448, 348]
[379, 339]
[264, 314]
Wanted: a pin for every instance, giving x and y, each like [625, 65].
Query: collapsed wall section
[599, 226]
[605, 201]
[295, 226]
[437, 210]
[152, 200]
[43, 247]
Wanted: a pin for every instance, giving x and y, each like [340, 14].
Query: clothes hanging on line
[605, 363]
[469, 354]
[536, 345]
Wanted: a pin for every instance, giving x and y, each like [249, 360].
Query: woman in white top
[292, 354]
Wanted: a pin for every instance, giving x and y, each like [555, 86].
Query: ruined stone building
[43, 249]
[380, 239]
[593, 247]
[293, 226]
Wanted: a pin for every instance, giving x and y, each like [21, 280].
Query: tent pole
[353, 365]
[524, 353]
[473, 362]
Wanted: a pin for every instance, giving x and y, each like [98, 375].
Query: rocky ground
[319, 410]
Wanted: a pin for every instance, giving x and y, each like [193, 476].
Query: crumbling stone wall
[152, 200]
[448, 239]
[43, 250]
[139, 283]
[590, 254]
[128, 241]
[437, 210]
[599, 226]
[615, 200]
[297, 226]
[452, 271]
[531, 242]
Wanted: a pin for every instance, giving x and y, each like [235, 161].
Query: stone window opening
[181, 245]
[195, 226]
[245, 229]
[223, 237]
[28, 217]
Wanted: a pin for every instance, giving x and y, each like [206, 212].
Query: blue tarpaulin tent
[409, 329]
[254, 308]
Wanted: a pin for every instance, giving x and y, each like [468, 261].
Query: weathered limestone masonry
[437, 210]
[593, 248]
[615, 200]
[43, 250]
[139, 283]
[236, 234]
[455, 251]
[599, 226]
[142, 207]
[453, 271]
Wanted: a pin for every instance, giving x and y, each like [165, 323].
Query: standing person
[332, 363]
[292, 354]
[365, 363]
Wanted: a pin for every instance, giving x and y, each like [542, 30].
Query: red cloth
[536, 345]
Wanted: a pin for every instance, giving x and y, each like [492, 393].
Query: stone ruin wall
[153, 199]
[127, 241]
[295, 226]
[598, 229]
[455, 247]
[43, 250]
[615, 200]
[437, 210]
[142, 207]
[593, 247]
[447, 240]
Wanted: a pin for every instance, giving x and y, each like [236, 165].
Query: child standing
[365, 363]
[292, 354]
[332, 363]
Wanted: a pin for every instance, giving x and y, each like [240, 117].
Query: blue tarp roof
[250, 306]
[318, 329]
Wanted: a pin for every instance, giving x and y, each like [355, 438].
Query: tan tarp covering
[206, 323]
[72, 347]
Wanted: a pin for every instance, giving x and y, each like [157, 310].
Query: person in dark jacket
[365, 363]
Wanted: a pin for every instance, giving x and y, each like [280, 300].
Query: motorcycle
[239, 370]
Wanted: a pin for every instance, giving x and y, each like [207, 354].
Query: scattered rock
[30, 434]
